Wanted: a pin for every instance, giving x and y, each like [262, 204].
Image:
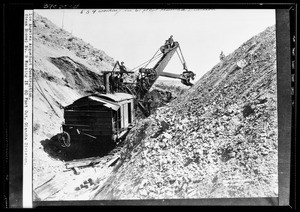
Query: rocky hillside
[65, 69]
[163, 92]
[218, 139]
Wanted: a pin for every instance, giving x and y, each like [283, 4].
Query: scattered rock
[248, 110]
[210, 136]
[205, 143]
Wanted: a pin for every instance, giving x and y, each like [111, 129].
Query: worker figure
[123, 69]
[169, 43]
[149, 100]
[222, 56]
[118, 80]
[113, 82]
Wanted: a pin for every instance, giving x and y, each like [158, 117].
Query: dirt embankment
[219, 139]
[65, 69]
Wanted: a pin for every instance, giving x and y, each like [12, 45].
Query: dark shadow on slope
[163, 127]
[248, 110]
[77, 75]
[77, 150]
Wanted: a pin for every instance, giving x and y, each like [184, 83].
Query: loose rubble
[217, 140]
[65, 69]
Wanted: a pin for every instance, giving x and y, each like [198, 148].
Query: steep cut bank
[217, 140]
[65, 69]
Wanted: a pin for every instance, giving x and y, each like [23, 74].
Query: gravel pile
[217, 139]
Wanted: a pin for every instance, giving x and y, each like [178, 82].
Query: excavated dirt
[162, 93]
[217, 140]
[65, 69]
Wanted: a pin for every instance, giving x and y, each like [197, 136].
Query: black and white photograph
[152, 104]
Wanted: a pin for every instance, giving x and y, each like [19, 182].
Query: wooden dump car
[97, 120]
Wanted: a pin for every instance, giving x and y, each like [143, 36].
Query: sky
[133, 36]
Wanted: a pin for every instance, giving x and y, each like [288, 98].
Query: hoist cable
[146, 62]
[182, 57]
[151, 58]
[179, 57]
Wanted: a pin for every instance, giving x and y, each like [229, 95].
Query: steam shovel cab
[95, 123]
